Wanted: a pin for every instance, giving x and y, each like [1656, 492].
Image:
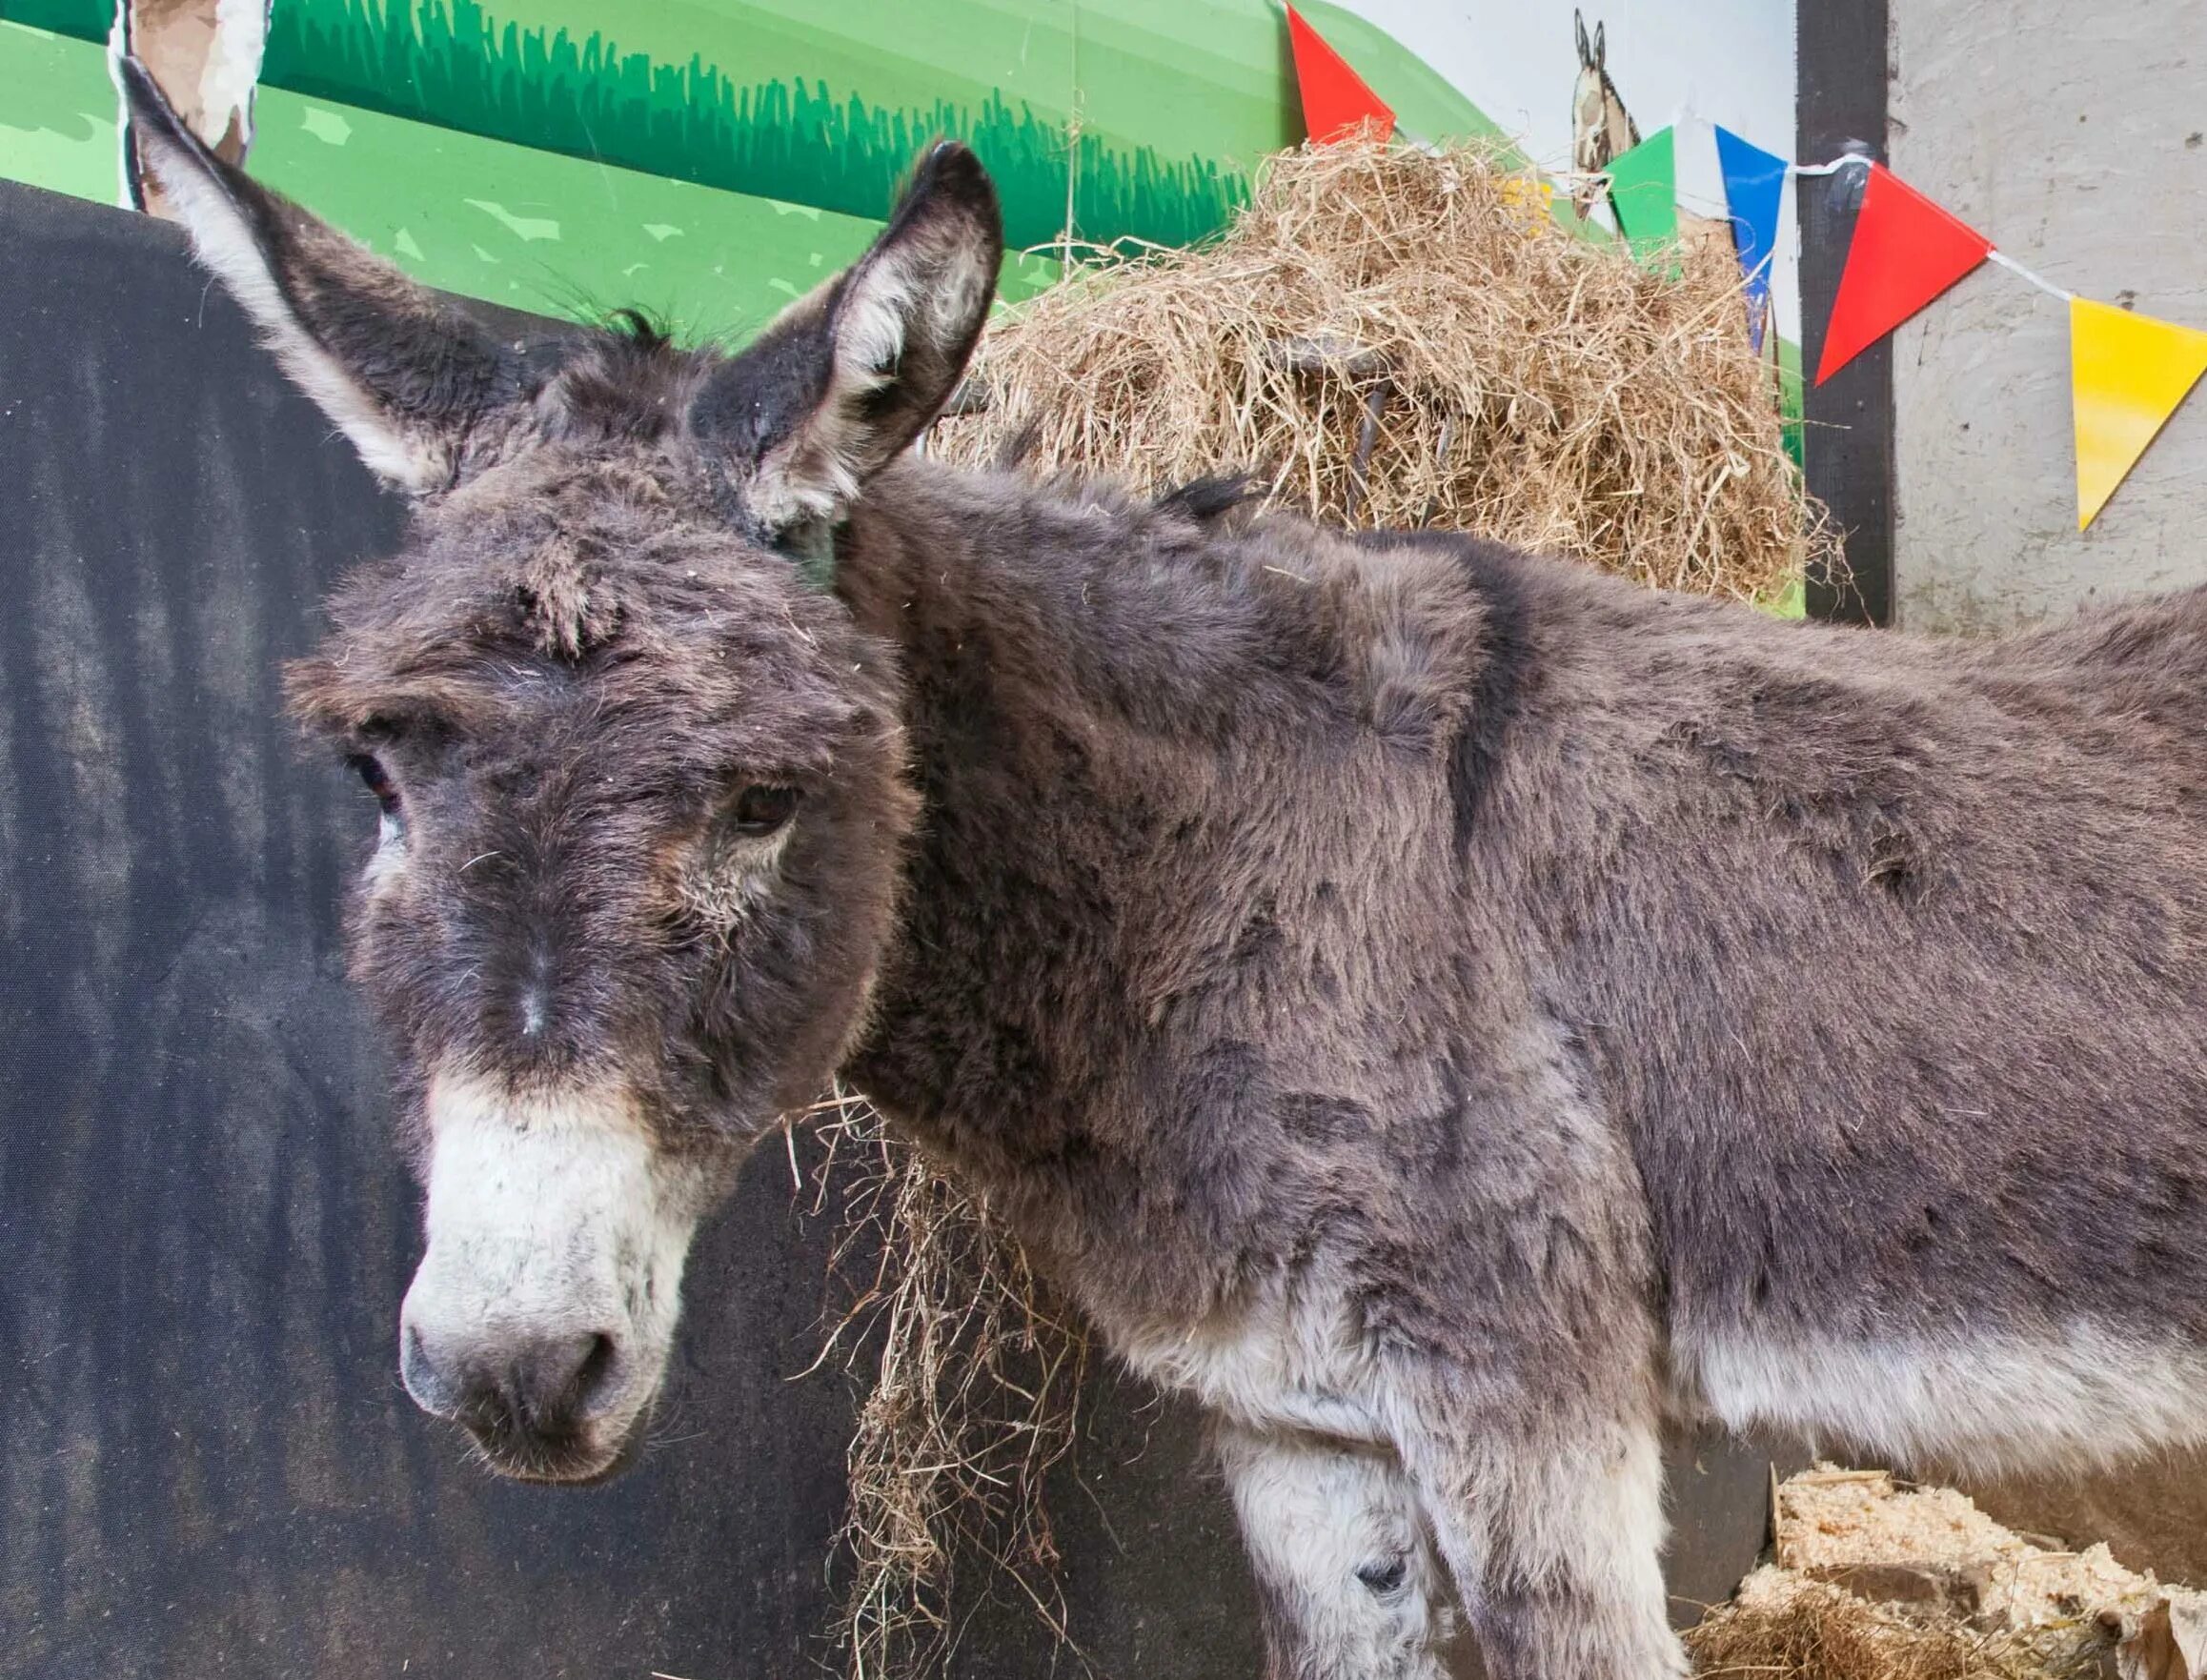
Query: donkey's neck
[1112, 705]
[1068, 673]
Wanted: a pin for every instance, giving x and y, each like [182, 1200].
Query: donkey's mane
[639, 328]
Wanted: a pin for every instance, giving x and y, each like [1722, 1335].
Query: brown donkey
[1450, 1011]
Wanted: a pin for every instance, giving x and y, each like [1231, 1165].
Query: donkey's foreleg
[1345, 1566]
[1555, 1536]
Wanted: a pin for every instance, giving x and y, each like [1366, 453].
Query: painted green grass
[555, 235]
[530, 229]
[456, 64]
[543, 233]
[452, 62]
[859, 90]
[1189, 78]
[1205, 78]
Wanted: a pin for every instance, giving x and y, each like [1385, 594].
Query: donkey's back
[1891, 956]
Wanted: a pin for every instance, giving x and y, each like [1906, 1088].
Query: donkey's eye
[762, 809]
[370, 769]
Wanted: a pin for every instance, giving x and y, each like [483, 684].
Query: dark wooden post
[1849, 442]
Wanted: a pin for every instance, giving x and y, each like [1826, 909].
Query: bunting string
[2129, 373]
[2041, 282]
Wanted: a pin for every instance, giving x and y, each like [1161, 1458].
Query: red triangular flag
[1906, 251]
[1335, 100]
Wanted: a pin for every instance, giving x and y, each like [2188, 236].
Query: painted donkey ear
[844, 380]
[397, 370]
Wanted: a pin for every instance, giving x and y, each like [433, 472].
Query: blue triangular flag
[1753, 182]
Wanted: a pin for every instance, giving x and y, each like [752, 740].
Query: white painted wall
[2073, 133]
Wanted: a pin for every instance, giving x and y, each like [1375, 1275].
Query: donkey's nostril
[597, 1367]
[515, 1391]
[434, 1383]
[549, 1381]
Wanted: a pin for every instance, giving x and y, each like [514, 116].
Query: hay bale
[1394, 337]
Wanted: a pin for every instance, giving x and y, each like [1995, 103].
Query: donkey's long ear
[845, 379]
[399, 373]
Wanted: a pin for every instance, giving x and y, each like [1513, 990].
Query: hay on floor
[1393, 337]
[1782, 1627]
[1878, 1579]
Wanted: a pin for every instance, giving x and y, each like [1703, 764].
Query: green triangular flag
[1644, 193]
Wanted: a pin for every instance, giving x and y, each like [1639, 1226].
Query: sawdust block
[1876, 1577]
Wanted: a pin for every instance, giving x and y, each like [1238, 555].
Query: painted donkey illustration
[1450, 1011]
[1602, 129]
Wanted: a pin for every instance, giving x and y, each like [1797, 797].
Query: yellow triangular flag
[2127, 373]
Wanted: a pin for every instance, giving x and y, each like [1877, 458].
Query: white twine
[1995, 255]
[2044, 285]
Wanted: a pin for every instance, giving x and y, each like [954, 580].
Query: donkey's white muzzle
[542, 1313]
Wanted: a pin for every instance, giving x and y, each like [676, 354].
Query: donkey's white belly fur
[1988, 1402]
[1985, 1402]
[1285, 1361]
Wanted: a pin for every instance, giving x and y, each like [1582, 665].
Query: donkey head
[640, 777]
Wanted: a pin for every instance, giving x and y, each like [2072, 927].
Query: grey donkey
[1451, 1012]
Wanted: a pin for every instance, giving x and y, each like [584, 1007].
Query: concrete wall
[2069, 134]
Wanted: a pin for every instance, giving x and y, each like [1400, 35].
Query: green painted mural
[796, 138]
[710, 158]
